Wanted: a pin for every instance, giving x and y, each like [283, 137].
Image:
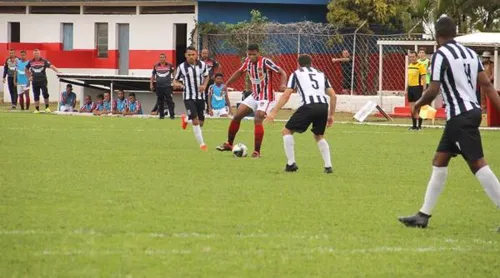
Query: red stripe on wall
[87, 58]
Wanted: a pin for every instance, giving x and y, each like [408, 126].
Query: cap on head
[486, 54]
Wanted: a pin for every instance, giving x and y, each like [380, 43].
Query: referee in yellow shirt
[416, 84]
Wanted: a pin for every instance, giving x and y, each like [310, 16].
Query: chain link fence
[351, 61]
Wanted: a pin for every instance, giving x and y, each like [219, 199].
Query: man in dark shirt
[346, 68]
[36, 71]
[212, 66]
[9, 69]
[161, 82]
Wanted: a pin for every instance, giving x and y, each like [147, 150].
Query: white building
[96, 36]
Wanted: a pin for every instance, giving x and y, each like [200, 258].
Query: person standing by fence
[346, 68]
[416, 84]
[37, 68]
[9, 70]
[161, 82]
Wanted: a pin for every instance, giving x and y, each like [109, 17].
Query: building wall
[150, 35]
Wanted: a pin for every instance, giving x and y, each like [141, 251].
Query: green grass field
[115, 197]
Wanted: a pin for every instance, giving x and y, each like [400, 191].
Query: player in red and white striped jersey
[260, 71]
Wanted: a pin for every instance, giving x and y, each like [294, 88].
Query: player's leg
[222, 113]
[170, 102]
[45, 93]
[12, 91]
[196, 114]
[36, 95]
[245, 108]
[160, 101]
[258, 131]
[298, 122]
[319, 121]
[420, 90]
[447, 149]
[20, 91]
[411, 101]
[27, 96]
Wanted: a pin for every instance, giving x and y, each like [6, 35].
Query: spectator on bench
[88, 106]
[99, 105]
[218, 98]
[68, 100]
[120, 104]
[107, 103]
[133, 106]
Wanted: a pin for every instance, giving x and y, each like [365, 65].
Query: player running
[259, 70]
[457, 71]
[313, 87]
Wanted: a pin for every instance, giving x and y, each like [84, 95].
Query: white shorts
[259, 105]
[22, 88]
[220, 112]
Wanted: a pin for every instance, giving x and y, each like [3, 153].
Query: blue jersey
[22, 79]
[87, 107]
[107, 105]
[67, 98]
[135, 107]
[99, 106]
[120, 104]
[218, 97]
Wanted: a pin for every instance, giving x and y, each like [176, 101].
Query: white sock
[198, 135]
[324, 148]
[289, 145]
[490, 184]
[434, 188]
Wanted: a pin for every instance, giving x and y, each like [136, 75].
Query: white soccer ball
[240, 150]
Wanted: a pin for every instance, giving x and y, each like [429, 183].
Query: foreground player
[457, 71]
[313, 87]
[259, 70]
[194, 75]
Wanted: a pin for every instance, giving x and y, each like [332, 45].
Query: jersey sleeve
[244, 66]
[47, 64]
[292, 81]
[179, 74]
[211, 89]
[28, 65]
[205, 70]
[138, 107]
[271, 65]
[439, 66]
[154, 70]
[480, 66]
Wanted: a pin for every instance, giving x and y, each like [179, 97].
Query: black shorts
[315, 113]
[415, 93]
[461, 136]
[346, 82]
[195, 109]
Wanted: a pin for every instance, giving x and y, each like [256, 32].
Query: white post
[354, 56]
[495, 70]
[380, 72]
[59, 93]
[406, 72]
[111, 94]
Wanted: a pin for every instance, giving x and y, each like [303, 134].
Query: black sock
[420, 120]
[37, 108]
[414, 120]
[46, 106]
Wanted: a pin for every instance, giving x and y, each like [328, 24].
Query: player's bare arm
[333, 105]
[152, 80]
[281, 102]
[428, 96]
[15, 77]
[228, 103]
[236, 75]
[209, 103]
[205, 84]
[52, 67]
[489, 90]
[283, 80]
[335, 60]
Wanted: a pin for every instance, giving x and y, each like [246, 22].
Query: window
[14, 31]
[109, 10]
[67, 36]
[101, 39]
[54, 9]
[167, 10]
[12, 9]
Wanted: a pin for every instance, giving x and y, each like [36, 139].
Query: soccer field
[115, 197]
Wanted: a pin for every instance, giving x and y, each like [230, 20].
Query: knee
[285, 131]
[318, 137]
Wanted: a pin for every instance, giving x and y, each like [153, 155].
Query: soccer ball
[240, 150]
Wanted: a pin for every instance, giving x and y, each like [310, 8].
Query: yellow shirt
[415, 72]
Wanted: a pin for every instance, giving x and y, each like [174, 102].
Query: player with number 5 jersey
[260, 71]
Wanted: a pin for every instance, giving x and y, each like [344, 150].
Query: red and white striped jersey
[260, 75]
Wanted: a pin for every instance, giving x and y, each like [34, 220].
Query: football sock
[289, 144]
[420, 120]
[27, 101]
[434, 188]
[198, 135]
[234, 126]
[490, 184]
[259, 136]
[414, 121]
[21, 101]
[324, 148]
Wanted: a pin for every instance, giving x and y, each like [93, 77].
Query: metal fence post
[354, 56]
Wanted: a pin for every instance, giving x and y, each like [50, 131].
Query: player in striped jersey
[313, 87]
[457, 71]
[259, 70]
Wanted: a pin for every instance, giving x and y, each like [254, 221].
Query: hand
[211, 112]
[31, 79]
[270, 118]
[152, 87]
[202, 89]
[282, 88]
[330, 121]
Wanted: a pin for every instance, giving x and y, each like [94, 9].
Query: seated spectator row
[120, 106]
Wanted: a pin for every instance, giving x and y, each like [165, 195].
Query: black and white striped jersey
[192, 76]
[311, 84]
[457, 68]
